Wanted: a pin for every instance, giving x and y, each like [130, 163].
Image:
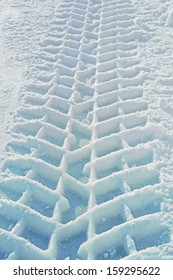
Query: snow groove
[82, 179]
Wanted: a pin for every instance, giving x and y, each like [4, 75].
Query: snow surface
[86, 129]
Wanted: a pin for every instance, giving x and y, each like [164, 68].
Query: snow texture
[169, 21]
[86, 130]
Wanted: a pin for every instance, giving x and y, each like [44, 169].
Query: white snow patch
[169, 20]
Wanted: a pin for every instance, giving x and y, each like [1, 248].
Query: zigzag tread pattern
[82, 179]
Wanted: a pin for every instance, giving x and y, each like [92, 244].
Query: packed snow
[86, 129]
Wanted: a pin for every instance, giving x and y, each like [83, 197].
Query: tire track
[82, 180]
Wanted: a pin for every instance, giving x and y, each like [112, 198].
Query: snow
[86, 129]
[169, 20]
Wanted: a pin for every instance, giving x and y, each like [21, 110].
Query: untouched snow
[86, 129]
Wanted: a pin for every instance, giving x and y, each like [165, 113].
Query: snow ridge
[82, 180]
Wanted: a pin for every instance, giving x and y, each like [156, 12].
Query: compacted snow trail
[87, 172]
